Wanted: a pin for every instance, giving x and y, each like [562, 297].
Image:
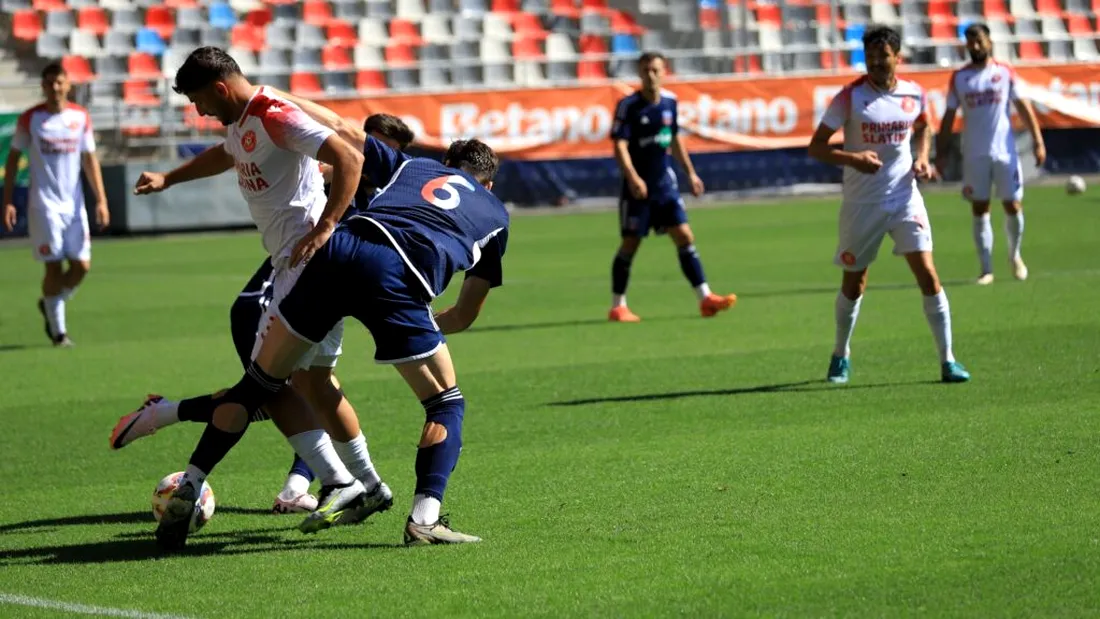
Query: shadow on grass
[119, 518]
[554, 324]
[11, 347]
[799, 386]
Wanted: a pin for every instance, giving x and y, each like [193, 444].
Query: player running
[880, 114]
[383, 267]
[984, 88]
[57, 136]
[645, 128]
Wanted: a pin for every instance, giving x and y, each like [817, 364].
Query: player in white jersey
[880, 114]
[984, 89]
[57, 137]
[274, 147]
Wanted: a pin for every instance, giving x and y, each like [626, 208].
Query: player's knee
[230, 417]
[79, 268]
[432, 434]
[682, 236]
[979, 208]
[254, 389]
[629, 246]
[1013, 206]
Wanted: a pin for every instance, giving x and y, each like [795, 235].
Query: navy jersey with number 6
[648, 128]
[440, 219]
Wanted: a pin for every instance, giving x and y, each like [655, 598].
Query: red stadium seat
[1078, 24]
[143, 66]
[565, 8]
[1031, 50]
[342, 33]
[527, 49]
[828, 64]
[747, 64]
[140, 93]
[198, 122]
[591, 70]
[45, 6]
[306, 84]
[944, 31]
[769, 14]
[942, 11]
[400, 55]
[594, 5]
[316, 12]
[160, 18]
[78, 68]
[370, 81]
[259, 17]
[1049, 7]
[180, 4]
[528, 26]
[93, 19]
[709, 18]
[336, 57]
[624, 23]
[505, 7]
[405, 31]
[995, 9]
[592, 44]
[247, 36]
[26, 25]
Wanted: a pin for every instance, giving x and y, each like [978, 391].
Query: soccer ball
[1075, 185]
[204, 507]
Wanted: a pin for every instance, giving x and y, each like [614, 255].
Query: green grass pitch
[677, 467]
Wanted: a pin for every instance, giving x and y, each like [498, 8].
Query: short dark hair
[473, 157]
[203, 67]
[390, 126]
[649, 57]
[882, 35]
[975, 29]
[53, 70]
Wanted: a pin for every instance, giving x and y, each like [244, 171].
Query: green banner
[7, 131]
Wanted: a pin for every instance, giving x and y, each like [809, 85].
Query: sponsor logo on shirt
[249, 176]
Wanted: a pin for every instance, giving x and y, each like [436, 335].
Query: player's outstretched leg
[983, 241]
[620, 277]
[433, 381]
[938, 312]
[1014, 230]
[848, 301]
[709, 303]
[295, 496]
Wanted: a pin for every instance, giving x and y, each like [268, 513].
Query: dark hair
[203, 67]
[649, 57]
[975, 29]
[882, 35]
[390, 126]
[473, 157]
[53, 70]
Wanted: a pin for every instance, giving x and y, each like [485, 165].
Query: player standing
[57, 136]
[645, 128]
[880, 114]
[984, 88]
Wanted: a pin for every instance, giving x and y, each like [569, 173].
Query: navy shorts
[638, 217]
[359, 274]
[244, 316]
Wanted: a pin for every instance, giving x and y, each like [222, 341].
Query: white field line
[81, 609]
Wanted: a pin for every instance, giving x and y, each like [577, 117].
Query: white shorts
[981, 173]
[322, 354]
[864, 226]
[58, 236]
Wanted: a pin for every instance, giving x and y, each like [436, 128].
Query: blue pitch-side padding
[624, 44]
[149, 41]
[963, 25]
[853, 34]
[221, 15]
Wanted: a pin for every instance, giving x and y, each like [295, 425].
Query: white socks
[295, 486]
[194, 475]
[702, 291]
[983, 240]
[847, 311]
[67, 293]
[425, 509]
[356, 458]
[938, 313]
[55, 313]
[618, 300]
[1014, 230]
[315, 447]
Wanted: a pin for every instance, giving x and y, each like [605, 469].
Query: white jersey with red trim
[54, 143]
[880, 121]
[274, 145]
[985, 94]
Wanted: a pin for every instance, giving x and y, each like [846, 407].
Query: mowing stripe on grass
[81, 609]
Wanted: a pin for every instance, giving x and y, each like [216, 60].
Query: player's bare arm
[94, 173]
[347, 166]
[864, 161]
[351, 133]
[633, 180]
[943, 139]
[11, 169]
[1027, 113]
[210, 162]
[922, 136]
[465, 311]
[679, 151]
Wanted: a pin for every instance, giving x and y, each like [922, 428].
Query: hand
[150, 182]
[867, 162]
[313, 240]
[637, 187]
[697, 187]
[1040, 154]
[326, 173]
[102, 215]
[9, 217]
[923, 170]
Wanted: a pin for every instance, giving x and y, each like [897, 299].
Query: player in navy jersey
[644, 131]
[383, 267]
